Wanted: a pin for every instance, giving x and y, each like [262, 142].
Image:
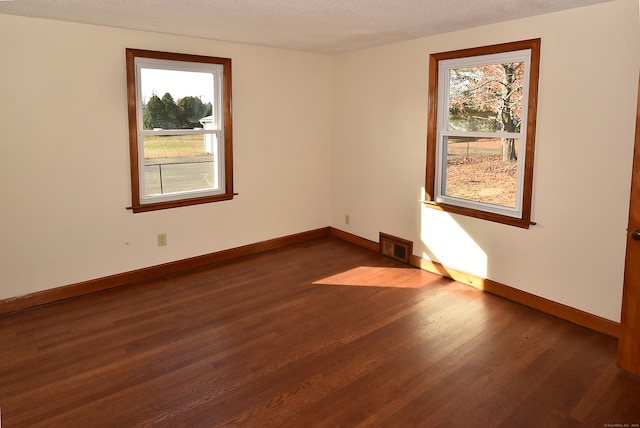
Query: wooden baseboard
[559, 310]
[74, 290]
[354, 239]
[567, 313]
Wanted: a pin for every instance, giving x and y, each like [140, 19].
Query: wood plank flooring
[320, 334]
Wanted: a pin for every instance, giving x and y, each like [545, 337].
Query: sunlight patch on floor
[372, 276]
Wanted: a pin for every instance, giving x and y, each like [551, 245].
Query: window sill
[180, 203]
[497, 218]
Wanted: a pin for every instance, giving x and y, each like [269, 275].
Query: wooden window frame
[132, 101]
[432, 131]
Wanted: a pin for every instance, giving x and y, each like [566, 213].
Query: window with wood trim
[481, 131]
[180, 129]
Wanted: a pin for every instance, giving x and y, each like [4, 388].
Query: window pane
[486, 98]
[175, 99]
[180, 163]
[481, 170]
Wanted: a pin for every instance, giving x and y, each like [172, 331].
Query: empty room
[320, 213]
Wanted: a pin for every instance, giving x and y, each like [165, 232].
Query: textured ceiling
[324, 26]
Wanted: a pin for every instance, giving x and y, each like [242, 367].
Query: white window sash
[218, 164]
[444, 68]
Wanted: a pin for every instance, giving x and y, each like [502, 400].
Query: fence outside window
[174, 177]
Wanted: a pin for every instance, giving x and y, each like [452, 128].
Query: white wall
[315, 138]
[586, 115]
[65, 165]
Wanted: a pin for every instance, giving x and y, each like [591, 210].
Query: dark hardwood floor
[317, 334]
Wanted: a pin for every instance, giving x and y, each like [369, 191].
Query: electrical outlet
[347, 219]
[162, 240]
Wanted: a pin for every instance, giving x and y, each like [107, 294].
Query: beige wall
[586, 114]
[65, 165]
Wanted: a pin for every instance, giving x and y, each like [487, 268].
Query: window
[180, 133]
[481, 130]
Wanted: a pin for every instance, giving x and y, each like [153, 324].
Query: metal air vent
[396, 248]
